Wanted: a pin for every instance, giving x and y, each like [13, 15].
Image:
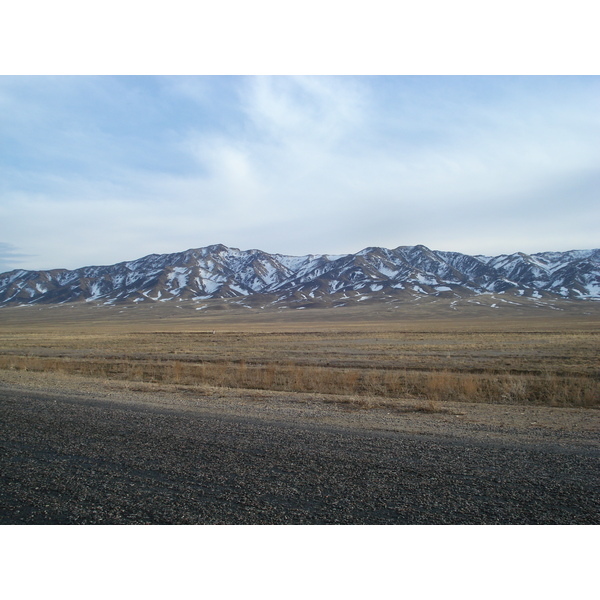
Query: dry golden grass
[436, 386]
[551, 359]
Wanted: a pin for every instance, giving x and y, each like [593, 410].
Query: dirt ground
[526, 424]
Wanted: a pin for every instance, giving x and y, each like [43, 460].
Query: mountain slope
[402, 273]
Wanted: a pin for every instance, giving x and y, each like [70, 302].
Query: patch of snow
[180, 274]
[147, 294]
[237, 288]
[424, 279]
[593, 290]
[390, 273]
[95, 289]
[211, 286]
[510, 302]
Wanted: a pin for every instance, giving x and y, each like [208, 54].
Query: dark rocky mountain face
[403, 273]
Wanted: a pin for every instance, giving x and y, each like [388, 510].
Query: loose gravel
[91, 452]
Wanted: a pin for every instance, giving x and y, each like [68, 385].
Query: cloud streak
[100, 170]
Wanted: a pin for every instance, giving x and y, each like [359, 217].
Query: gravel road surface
[83, 458]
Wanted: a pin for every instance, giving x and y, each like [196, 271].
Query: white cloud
[298, 165]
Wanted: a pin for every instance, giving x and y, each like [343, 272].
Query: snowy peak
[217, 271]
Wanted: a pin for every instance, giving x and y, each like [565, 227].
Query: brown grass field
[538, 354]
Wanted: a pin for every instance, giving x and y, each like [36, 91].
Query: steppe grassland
[549, 359]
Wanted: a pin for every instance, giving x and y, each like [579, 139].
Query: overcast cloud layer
[97, 170]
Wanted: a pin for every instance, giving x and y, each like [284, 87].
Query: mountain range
[256, 278]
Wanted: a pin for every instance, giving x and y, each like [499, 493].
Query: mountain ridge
[374, 273]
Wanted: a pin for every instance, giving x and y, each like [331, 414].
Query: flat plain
[503, 402]
[543, 356]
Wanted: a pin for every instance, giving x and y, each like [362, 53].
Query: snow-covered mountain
[258, 277]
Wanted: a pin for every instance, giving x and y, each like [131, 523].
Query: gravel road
[85, 458]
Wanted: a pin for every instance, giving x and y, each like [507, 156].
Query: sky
[102, 169]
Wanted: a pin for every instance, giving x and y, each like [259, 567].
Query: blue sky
[101, 169]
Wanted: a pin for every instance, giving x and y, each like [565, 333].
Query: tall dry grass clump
[434, 386]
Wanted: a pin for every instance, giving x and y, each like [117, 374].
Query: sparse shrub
[513, 389]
